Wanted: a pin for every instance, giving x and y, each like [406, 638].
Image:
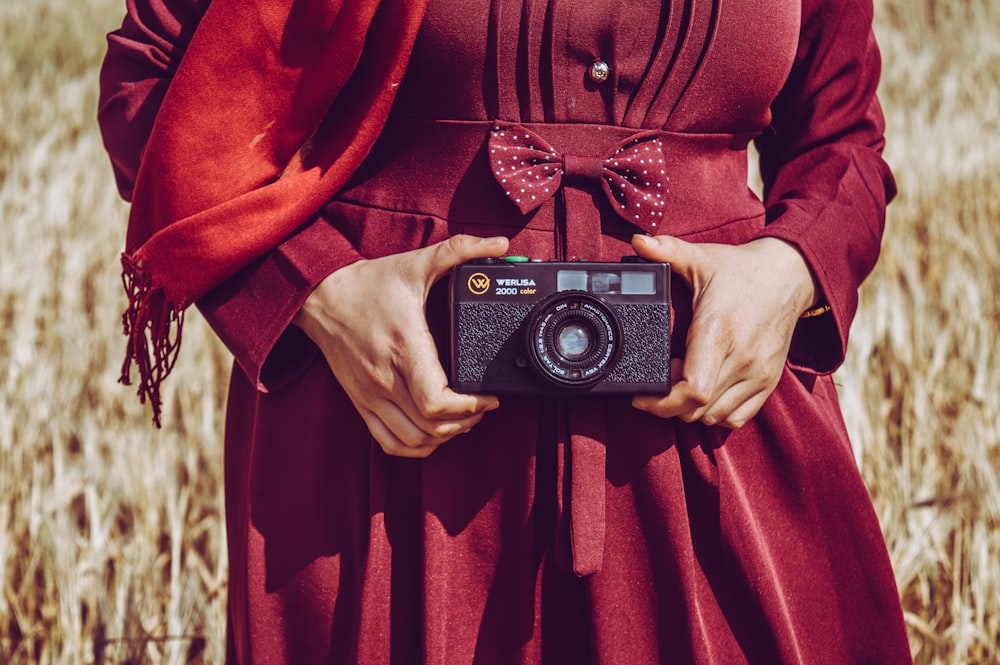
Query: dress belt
[443, 168]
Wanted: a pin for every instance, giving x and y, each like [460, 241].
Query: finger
[746, 411]
[398, 426]
[658, 404]
[389, 442]
[412, 435]
[385, 404]
[681, 402]
[686, 259]
[736, 406]
[704, 376]
[384, 434]
[696, 391]
[425, 395]
[458, 249]
[671, 404]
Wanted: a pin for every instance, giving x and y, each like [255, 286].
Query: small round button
[599, 71]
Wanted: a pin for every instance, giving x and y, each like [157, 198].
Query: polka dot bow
[632, 174]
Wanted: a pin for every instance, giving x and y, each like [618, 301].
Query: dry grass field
[111, 533]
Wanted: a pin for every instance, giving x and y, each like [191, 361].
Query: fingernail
[641, 239]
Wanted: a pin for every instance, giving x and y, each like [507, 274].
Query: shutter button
[599, 71]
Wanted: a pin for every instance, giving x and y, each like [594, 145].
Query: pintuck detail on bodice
[700, 66]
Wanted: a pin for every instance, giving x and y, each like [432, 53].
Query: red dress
[562, 530]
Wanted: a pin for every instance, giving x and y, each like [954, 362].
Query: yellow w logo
[479, 283]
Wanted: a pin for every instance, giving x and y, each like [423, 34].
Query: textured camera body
[556, 328]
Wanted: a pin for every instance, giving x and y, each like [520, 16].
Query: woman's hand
[747, 300]
[381, 350]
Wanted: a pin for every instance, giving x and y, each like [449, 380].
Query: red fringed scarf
[274, 106]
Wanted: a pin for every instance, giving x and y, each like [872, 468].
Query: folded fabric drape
[272, 108]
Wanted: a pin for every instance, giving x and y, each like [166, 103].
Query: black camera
[521, 326]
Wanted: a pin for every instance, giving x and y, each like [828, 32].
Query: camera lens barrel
[573, 338]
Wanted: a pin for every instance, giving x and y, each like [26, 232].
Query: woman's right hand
[381, 350]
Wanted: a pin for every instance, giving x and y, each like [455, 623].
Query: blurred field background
[112, 546]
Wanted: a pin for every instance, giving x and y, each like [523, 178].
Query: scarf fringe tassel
[153, 328]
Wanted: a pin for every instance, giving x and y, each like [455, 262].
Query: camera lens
[573, 338]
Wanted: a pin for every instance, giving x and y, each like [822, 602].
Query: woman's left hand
[747, 300]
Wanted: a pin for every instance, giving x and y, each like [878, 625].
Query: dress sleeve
[825, 183]
[252, 311]
[141, 59]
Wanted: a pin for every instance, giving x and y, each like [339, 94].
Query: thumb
[685, 258]
[458, 249]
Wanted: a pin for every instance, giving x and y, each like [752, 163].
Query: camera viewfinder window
[605, 282]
